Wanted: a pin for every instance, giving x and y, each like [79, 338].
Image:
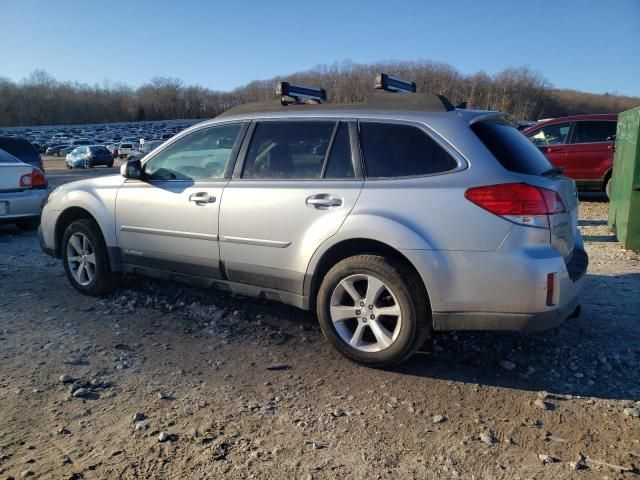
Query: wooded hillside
[42, 100]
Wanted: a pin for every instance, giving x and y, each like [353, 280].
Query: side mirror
[131, 169]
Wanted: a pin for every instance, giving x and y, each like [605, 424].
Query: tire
[110, 165]
[69, 166]
[607, 188]
[103, 279]
[28, 224]
[402, 291]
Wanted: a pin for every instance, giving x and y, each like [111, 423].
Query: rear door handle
[323, 200]
[201, 197]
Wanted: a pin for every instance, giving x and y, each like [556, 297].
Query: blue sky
[589, 45]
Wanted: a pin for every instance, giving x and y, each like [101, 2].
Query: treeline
[42, 100]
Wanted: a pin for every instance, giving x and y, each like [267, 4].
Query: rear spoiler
[476, 117]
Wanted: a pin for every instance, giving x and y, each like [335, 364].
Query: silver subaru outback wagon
[390, 218]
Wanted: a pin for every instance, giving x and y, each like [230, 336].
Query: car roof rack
[302, 98]
[393, 84]
[293, 94]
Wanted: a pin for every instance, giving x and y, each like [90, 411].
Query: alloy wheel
[81, 258]
[366, 313]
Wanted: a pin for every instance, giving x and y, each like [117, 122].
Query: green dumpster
[624, 209]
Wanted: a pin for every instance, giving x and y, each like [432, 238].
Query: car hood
[90, 184]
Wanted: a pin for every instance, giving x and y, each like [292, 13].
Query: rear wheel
[85, 258]
[110, 165]
[607, 188]
[373, 310]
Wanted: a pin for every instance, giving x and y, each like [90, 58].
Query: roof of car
[574, 118]
[415, 102]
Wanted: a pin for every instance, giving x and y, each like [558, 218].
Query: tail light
[34, 179]
[518, 202]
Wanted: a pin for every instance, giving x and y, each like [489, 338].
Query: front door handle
[323, 200]
[201, 197]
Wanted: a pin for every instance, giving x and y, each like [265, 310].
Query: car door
[295, 183]
[590, 151]
[552, 140]
[168, 219]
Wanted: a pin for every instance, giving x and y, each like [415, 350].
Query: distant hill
[42, 100]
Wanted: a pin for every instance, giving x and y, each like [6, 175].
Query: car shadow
[600, 238]
[596, 355]
[600, 197]
[592, 223]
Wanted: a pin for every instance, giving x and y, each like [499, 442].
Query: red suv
[583, 145]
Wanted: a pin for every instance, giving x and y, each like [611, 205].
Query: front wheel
[374, 310]
[85, 258]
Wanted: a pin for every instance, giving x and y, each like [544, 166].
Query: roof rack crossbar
[290, 91]
[393, 84]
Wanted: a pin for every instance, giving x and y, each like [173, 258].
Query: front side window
[555, 134]
[594, 131]
[395, 150]
[288, 150]
[200, 156]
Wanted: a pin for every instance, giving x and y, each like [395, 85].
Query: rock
[439, 419]
[166, 437]
[81, 393]
[78, 384]
[27, 473]
[580, 464]
[164, 396]
[66, 378]
[488, 437]
[632, 412]
[140, 426]
[74, 361]
[279, 367]
[507, 365]
[545, 459]
[543, 405]
[138, 416]
[63, 431]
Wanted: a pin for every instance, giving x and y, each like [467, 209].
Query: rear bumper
[488, 291]
[24, 205]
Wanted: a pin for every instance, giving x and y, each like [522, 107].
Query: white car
[126, 149]
[22, 191]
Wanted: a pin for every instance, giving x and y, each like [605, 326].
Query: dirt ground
[188, 383]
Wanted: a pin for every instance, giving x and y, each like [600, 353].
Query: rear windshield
[98, 150]
[20, 148]
[511, 148]
[6, 158]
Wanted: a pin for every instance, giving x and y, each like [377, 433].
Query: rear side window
[288, 150]
[394, 150]
[511, 148]
[6, 158]
[594, 131]
[554, 134]
[20, 148]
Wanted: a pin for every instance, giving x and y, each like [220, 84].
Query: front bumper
[23, 205]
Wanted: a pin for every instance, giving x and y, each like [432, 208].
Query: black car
[22, 149]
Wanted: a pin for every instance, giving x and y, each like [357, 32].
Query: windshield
[511, 148]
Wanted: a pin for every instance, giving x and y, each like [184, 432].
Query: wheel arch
[68, 216]
[325, 260]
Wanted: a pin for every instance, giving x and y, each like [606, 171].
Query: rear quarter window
[396, 150]
[511, 148]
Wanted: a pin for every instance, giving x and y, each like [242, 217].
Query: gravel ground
[162, 380]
